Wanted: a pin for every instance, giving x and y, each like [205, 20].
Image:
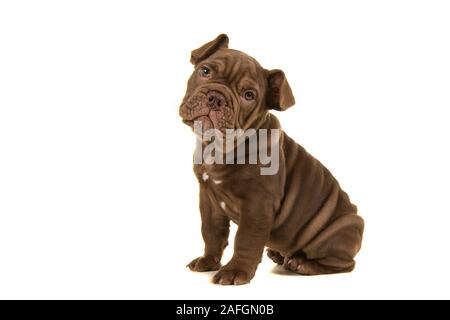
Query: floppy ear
[209, 48]
[279, 93]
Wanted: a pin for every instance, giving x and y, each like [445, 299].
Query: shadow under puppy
[300, 213]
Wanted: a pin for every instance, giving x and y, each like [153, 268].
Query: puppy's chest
[221, 194]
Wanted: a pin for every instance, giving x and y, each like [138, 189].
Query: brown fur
[301, 214]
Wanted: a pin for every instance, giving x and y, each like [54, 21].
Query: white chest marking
[217, 181]
[205, 176]
[223, 205]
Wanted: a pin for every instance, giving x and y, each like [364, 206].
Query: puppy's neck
[251, 147]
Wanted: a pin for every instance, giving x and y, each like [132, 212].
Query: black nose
[216, 100]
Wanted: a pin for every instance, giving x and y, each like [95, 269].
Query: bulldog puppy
[300, 213]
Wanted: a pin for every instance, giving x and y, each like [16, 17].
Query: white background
[97, 194]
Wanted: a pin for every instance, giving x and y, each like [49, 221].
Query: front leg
[215, 230]
[253, 232]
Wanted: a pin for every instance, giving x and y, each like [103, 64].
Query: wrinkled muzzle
[212, 107]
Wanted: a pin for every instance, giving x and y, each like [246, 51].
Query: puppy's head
[229, 89]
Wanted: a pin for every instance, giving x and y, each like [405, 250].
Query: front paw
[202, 264]
[233, 275]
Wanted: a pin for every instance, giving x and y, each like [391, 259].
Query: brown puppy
[300, 213]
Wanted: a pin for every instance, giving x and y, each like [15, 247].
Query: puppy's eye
[249, 95]
[205, 72]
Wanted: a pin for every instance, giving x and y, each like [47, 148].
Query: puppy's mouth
[205, 121]
[211, 109]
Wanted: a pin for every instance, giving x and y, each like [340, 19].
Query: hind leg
[331, 252]
[300, 264]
